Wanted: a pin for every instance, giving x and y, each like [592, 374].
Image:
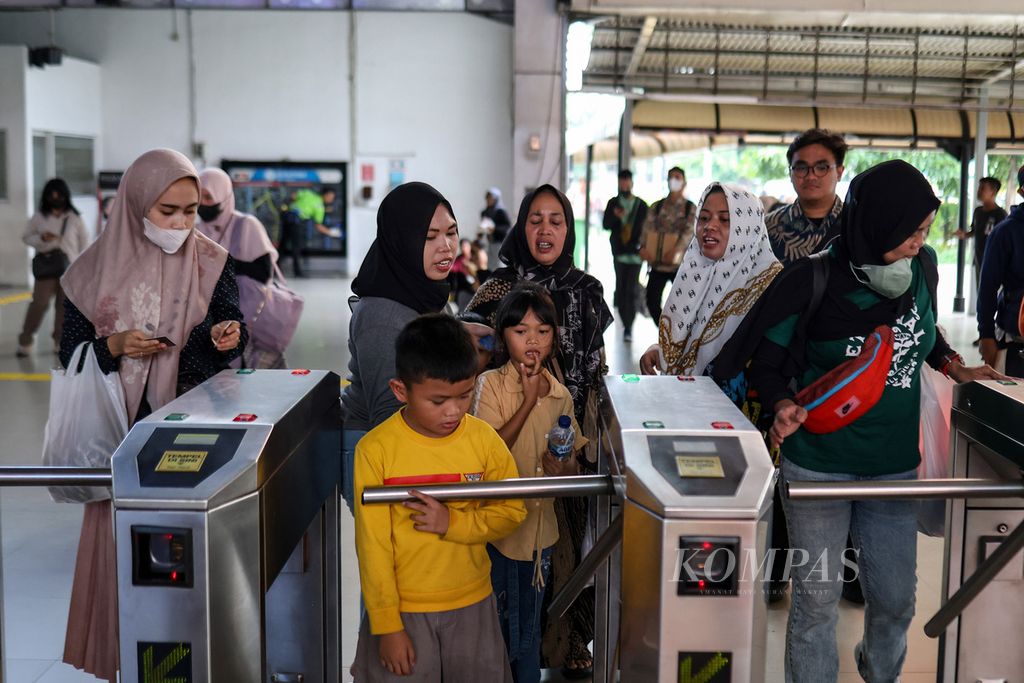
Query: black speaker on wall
[45, 56]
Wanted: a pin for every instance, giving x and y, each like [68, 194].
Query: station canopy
[715, 77]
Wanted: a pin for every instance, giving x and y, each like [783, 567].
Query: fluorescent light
[577, 53]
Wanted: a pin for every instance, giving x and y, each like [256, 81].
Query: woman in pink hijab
[149, 275]
[245, 238]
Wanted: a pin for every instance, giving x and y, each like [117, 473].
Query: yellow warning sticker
[181, 461]
[705, 466]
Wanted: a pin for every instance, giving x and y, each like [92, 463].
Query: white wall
[14, 210]
[437, 86]
[67, 100]
[431, 87]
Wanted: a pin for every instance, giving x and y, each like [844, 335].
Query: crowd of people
[772, 306]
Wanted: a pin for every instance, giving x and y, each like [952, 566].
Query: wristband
[948, 360]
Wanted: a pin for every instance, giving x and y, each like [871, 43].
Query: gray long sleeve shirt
[372, 332]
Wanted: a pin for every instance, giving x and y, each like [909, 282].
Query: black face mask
[208, 212]
[59, 203]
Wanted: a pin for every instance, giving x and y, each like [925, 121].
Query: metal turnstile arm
[604, 547]
[55, 476]
[981, 577]
[910, 489]
[530, 487]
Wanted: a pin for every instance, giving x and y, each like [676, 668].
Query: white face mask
[675, 184]
[167, 239]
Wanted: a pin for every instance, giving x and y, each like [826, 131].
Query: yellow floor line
[15, 298]
[24, 377]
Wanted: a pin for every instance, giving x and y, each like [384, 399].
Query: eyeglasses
[820, 169]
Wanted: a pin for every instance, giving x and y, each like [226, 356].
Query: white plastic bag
[936, 407]
[88, 420]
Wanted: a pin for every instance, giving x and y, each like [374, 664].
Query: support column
[586, 208]
[626, 137]
[980, 171]
[538, 153]
[965, 204]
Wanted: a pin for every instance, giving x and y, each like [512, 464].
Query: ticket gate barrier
[226, 527]
[697, 485]
[698, 497]
[983, 569]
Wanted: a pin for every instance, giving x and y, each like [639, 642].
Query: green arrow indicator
[158, 674]
[705, 675]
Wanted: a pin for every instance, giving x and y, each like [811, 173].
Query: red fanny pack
[839, 397]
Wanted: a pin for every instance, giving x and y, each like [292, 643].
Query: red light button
[685, 378]
[721, 425]
[300, 372]
[245, 417]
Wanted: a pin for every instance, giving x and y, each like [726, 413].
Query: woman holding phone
[158, 302]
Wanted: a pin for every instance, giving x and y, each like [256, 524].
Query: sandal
[585, 669]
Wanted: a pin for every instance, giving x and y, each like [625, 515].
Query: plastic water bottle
[561, 438]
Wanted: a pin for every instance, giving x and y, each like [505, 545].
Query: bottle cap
[564, 422]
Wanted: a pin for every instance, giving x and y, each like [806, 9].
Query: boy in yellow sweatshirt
[423, 565]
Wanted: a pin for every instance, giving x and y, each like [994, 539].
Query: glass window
[73, 163]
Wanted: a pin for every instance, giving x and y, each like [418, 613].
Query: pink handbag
[274, 312]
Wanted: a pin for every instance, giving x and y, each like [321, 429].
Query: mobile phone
[487, 343]
[162, 340]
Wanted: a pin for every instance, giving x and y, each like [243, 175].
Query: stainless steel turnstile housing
[698, 483]
[987, 442]
[225, 514]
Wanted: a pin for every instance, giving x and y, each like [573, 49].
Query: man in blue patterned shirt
[806, 226]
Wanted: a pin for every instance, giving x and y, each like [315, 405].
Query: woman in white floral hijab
[726, 268]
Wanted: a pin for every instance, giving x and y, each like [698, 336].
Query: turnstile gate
[988, 442]
[697, 485]
[698, 497]
[225, 515]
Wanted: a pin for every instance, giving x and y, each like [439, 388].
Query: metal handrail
[530, 487]
[911, 489]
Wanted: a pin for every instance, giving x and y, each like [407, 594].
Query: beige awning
[741, 119]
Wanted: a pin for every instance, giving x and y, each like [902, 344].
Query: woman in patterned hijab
[726, 268]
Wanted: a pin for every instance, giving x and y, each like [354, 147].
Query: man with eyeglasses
[807, 225]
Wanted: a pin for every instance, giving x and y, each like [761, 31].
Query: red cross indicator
[300, 372]
[722, 425]
[245, 417]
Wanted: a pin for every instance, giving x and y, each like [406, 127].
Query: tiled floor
[39, 537]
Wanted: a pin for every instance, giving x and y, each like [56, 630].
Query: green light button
[176, 417]
[630, 378]
[246, 371]
[654, 424]
[1007, 383]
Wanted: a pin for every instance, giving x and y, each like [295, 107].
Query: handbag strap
[64, 225]
[77, 360]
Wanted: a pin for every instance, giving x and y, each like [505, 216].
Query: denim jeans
[519, 607]
[349, 439]
[885, 532]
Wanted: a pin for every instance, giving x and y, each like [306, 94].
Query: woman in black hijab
[539, 248]
[404, 275]
[880, 272]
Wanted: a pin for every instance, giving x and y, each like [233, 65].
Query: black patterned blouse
[199, 361]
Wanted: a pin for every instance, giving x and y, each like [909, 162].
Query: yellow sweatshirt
[405, 570]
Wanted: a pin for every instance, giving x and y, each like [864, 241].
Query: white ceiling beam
[1005, 73]
[642, 41]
